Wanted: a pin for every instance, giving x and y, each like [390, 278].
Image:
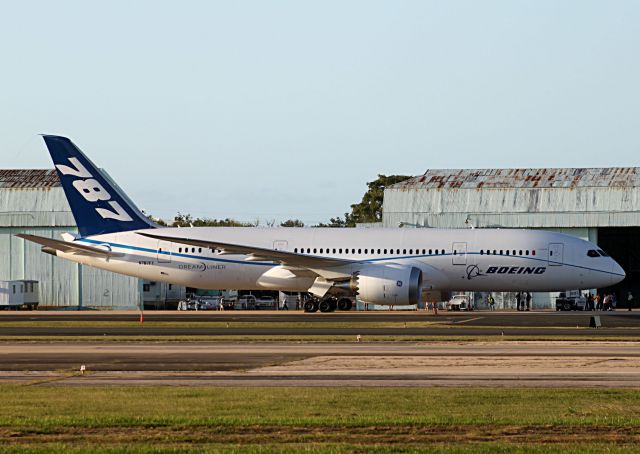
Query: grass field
[34, 418]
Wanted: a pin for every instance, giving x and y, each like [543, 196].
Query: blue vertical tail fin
[98, 205]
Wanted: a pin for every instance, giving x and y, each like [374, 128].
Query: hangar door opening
[622, 244]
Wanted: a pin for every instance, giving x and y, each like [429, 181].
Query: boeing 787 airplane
[380, 266]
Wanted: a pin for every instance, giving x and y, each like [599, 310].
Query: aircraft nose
[618, 272]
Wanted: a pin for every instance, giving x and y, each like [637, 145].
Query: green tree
[334, 222]
[370, 207]
[292, 223]
[186, 220]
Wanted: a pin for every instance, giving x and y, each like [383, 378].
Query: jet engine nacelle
[390, 284]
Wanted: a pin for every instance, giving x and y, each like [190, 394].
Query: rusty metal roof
[28, 179]
[569, 178]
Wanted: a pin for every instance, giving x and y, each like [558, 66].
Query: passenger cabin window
[593, 253]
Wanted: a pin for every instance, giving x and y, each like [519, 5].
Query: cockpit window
[602, 253]
[593, 253]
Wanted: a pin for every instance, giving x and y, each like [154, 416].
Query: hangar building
[33, 201]
[597, 204]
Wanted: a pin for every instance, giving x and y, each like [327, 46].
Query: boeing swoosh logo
[473, 271]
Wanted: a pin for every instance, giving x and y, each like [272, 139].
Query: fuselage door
[164, 252]
[459, 251]
[556, 253]
[280, 245]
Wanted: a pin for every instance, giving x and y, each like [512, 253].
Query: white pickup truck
[571, 300]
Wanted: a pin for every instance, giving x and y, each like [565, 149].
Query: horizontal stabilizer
[68, 247]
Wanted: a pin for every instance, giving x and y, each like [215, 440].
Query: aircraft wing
[69, 247]
[290, 259]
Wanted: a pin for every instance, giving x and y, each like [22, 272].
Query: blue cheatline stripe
[199, 257]
[382, 259]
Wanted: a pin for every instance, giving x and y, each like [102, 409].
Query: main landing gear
[328, 304]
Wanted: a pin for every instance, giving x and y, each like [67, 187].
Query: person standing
[528, 301]
[491, 302]
[629, 300]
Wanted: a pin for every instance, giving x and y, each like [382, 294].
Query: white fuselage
[450, 259]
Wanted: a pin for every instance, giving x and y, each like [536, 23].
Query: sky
[276, 110]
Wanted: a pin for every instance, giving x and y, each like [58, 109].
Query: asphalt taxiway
[620, 318]
[492, 364]
[621, 324]
[27, 356]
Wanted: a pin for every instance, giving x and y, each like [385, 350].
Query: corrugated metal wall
[44, 211]
[517, 208]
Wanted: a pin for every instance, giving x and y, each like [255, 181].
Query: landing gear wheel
[326, 306]
[310, 306]
[344, 304]
[566, 306]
